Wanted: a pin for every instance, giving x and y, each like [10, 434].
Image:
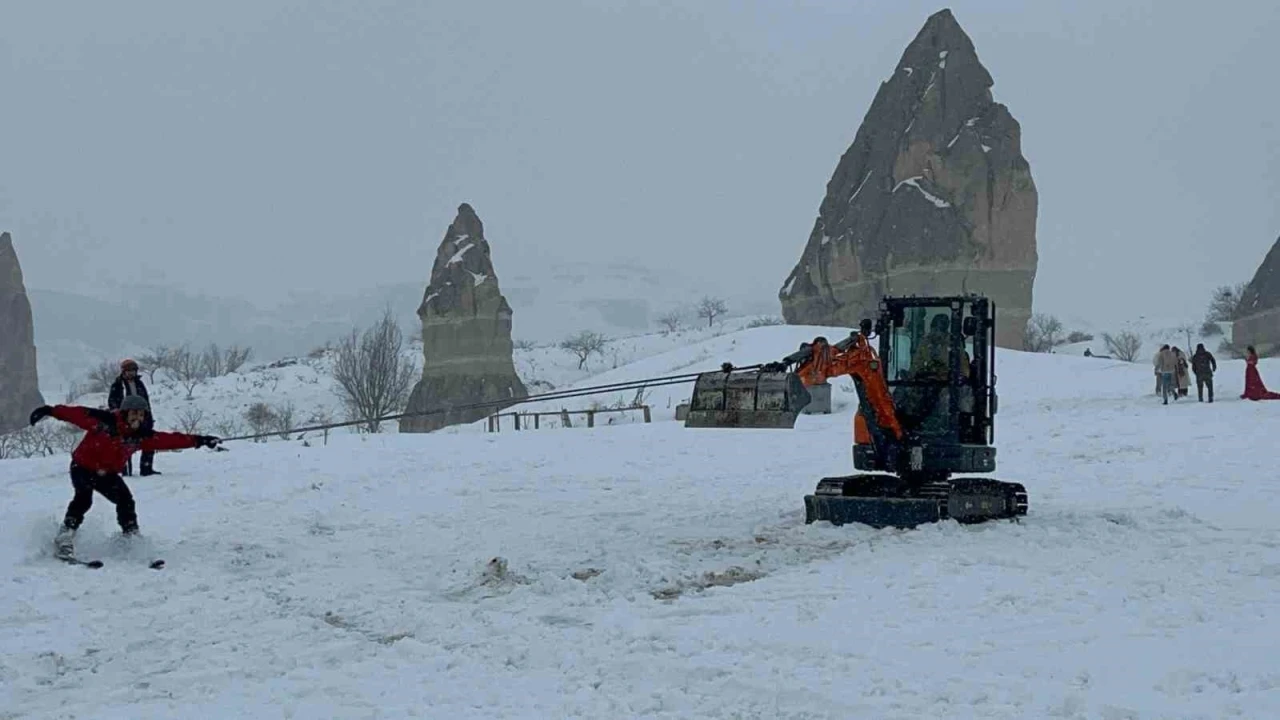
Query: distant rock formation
[933, 197]
[1259, 325]
[466, 332]
[19, 385]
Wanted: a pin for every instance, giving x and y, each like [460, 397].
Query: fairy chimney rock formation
[19, 385]
[466, 333]
[932, 198]
[1259, 323]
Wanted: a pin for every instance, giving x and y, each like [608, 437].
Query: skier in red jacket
[111, 438]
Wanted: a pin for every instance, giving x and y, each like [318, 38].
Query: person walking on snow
[1204, 365]
[127, 383]
[1183, 373]
[1254, 389]
[1167, 367]
[111, 438]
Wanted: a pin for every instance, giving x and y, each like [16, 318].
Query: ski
[78, 561]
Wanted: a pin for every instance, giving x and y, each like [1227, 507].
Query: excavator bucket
[746, 399]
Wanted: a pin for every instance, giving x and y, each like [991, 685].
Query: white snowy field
[354, 580]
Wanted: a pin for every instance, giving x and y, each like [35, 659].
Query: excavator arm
[817, 361]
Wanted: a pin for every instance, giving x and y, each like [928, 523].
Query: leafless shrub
[285, 419]
[236, 357]
[584, 345]
[188, 368]
[227, 427]
[373, 375]
[1042, 334]
[261, 418]
[101, 376]
[524, 345]
[154, 360]
[211, 361]
[671, 321]
[766, 321]
[189, 419]
[1123, 346]
[711, 308]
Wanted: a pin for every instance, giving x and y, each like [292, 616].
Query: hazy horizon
[263, 149]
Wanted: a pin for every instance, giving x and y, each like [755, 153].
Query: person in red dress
[1253, 387]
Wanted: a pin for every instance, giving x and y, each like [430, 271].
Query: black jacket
[1203, 363]
[118, 393]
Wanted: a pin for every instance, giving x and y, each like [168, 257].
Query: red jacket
[110, 442]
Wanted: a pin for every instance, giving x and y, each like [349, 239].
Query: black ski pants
[110, 486]
[1203, 381]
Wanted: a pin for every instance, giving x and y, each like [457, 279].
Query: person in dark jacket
[111, 438]
[127, 383]
[1204, 365]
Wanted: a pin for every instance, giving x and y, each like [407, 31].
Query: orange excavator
[926, 409]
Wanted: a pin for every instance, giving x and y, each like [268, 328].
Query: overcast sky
[260, 147]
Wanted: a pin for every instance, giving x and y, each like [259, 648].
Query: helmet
[134, 402]
[128, 364]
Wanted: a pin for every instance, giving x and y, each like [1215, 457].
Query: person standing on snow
[111, 438]
[1204, 365]
[127, 383]
[1254, 389]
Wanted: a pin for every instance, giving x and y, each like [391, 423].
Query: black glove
[40, 413]
[208, 441]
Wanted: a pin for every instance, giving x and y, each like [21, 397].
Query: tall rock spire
[934, 197]
[466, 332]
[1259, 323]
[19, 384]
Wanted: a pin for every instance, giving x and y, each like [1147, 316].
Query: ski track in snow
[353, 580]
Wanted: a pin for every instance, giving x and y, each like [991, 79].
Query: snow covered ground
[655, 571]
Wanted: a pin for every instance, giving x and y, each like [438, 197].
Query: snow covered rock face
[19, 386]
[933, 197]
[466, 332]
[1260, 304]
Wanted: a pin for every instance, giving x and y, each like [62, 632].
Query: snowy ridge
[656, 571]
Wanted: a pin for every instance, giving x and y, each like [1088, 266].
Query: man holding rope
[111, 438]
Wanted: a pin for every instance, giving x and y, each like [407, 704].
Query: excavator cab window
[920, 345]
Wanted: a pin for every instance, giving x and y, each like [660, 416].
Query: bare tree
[211, 361]
[1224, 303]
[1124, 346]
[188, 369]
[154, 360]
[236, 357]
[189, 419]
[101, 376]
[1043, 333]
[711, 308]
[285, 419]
[374, 377]
[671, 321]
[261, 418]
[584, 345]
[227, 427]
[523, 345]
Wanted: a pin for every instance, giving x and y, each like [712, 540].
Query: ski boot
[64, 543]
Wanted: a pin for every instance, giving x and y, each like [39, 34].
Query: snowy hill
[655, 571]
[550, 301]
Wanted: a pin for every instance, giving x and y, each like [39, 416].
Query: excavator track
[882, 500]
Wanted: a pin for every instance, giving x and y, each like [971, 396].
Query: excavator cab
[939, 367]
